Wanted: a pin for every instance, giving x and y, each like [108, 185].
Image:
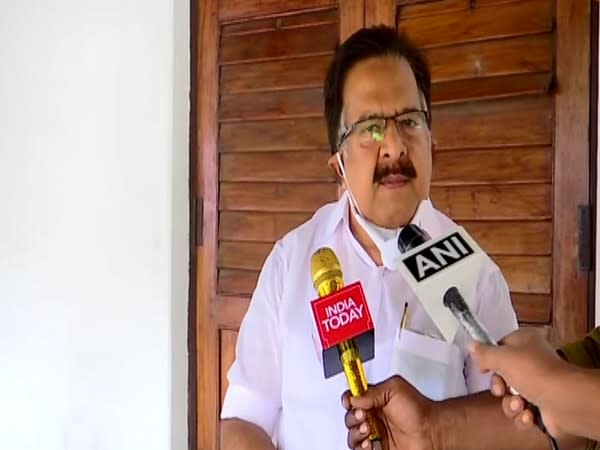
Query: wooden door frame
[571, 186]
[594, 49]
[203, 358]
[192, 183]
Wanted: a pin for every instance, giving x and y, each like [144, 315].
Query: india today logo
[342, 315]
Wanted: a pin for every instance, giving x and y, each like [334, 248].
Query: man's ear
[335, 167]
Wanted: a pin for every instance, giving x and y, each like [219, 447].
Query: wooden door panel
[298, 103]
[532, 308]
[412, 8]
[266, 166]
[505, 82]
[288, 197]
[278, 75]
[490, 88]
[526, 274]
[258, 160]
[291, 134]
[479, 23]
[512, 238]
[258, 226]
[243, 255]
[235, 10]
[281, 22]
[493, 166]
[236, 282]
[518, 55]
[279, 43]
[514, 121]
[499, 202]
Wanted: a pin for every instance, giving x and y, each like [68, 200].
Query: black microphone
[410, 237]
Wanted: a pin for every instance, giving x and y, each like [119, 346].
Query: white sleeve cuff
[242, 403]
[479, 382]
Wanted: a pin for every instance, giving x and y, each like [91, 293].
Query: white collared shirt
[277, 382]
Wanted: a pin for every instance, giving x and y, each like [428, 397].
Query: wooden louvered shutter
[510, 121]
[259, 163]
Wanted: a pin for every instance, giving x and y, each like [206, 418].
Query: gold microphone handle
[357, 380]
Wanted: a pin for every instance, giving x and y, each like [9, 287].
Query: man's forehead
[382, 85]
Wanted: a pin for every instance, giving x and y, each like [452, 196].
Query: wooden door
[510, 122]
[259, 164]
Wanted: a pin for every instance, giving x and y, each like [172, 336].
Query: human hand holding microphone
[530, 364]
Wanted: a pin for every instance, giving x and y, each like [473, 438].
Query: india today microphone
[344, 326]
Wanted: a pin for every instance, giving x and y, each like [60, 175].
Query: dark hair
[368, 43]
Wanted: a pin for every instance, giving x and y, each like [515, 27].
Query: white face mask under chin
[385, 239]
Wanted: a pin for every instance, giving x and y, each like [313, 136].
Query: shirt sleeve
[495, 312]
[254, 391]
[584, 353]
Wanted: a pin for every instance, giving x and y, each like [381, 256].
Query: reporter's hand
[527, 362]
[406, 416]
[513, 406]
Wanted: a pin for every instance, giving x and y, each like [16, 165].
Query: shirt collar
[339, 212]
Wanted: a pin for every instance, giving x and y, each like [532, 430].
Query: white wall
[93, 224]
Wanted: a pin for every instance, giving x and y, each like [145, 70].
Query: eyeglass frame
[350, 130]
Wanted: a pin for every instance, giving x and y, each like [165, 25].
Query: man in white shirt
[377, 103]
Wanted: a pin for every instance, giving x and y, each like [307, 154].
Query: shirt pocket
[433, 366]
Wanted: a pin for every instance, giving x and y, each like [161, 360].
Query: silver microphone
[461, 311]
[459, 308]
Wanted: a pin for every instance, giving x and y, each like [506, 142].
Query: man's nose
[392, 146]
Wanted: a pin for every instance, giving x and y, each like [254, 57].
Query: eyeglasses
[371, 131]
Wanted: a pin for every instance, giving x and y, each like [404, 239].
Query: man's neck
[365, 240]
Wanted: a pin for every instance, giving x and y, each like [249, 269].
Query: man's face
[390, 176]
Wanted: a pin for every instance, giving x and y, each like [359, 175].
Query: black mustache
[402, 167]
